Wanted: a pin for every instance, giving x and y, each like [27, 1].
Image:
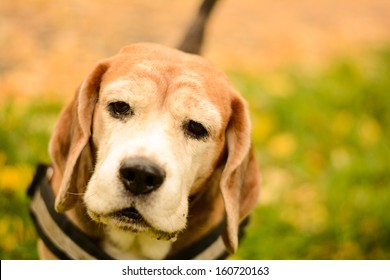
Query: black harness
[67, 241]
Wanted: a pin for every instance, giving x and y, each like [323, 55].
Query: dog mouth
[130, 214]
[131, 220]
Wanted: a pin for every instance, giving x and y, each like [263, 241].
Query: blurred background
[316, 75]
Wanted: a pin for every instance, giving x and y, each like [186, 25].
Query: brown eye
[119, 109]
[195, 130]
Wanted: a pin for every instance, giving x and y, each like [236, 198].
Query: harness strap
[58, 233]
[66, 241]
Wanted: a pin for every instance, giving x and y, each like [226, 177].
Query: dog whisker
[74, 193]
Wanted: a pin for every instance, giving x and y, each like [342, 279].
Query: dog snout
[141, 176]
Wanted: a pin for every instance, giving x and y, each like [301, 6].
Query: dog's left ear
[240, 181]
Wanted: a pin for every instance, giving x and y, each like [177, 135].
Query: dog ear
[69, 146]
[240, 181]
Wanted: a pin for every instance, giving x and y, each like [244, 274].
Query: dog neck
[206, 213]
[127, 245]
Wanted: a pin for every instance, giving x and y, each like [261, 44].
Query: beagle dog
[153, 154]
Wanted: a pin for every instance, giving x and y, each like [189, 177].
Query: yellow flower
[369, 131]
[15, 178]
[282, 145]
[342, 123]
[262, 125]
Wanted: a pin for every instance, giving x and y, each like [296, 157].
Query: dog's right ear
[71, 136]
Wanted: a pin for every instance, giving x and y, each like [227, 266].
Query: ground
[48, 46]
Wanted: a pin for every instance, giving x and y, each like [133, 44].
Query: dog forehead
[168, 70]
[161, 63]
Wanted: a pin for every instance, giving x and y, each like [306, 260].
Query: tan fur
[166, 86]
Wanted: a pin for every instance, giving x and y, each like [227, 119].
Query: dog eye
[195, 130]
[119, 109]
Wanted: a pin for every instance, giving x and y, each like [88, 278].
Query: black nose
[141, 176]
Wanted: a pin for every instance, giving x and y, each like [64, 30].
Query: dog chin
[130, 220]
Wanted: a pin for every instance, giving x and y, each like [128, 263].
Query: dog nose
[141, 176]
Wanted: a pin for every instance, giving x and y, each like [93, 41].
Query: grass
[323, 147]
[24, 135]
[325, 155]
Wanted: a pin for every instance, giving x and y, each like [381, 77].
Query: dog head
[147, 128]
